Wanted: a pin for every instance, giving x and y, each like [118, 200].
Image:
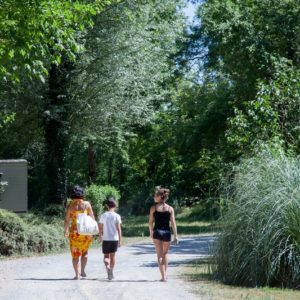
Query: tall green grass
[260, 241]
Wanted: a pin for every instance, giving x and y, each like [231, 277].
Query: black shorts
[162, 235]
[110, 246]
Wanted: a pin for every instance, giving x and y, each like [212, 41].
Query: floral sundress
[79, 244]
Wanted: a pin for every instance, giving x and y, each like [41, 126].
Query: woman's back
[76, 207]
[162, 218]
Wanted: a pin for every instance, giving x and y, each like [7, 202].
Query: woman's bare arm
[67, 220]
[90, 210]
[173, 225]
[151, 221]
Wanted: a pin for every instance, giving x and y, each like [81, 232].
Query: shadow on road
[198, 245]
[189, 249]
[48, 279]
[177, 263]
[85, 279]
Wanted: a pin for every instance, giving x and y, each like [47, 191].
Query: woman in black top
[161, 214]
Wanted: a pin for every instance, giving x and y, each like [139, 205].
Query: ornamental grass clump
[260, 241]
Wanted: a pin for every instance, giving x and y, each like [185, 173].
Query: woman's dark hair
[77, 192]
[163, 192]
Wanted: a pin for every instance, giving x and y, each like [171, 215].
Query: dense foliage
[18, 236]
[73, 127]
[131, 97]
[35, 34]
[96, 195]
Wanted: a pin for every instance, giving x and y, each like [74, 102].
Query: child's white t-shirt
[110, 219]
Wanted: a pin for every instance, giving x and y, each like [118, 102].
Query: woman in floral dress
[79, 244]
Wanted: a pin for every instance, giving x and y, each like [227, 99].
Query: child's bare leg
[106, 260]
[112, 257]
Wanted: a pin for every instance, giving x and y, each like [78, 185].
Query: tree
[35, 34]
[272, 115]
[245, 39]
[184, 148]
[121, 77]
[41, 39]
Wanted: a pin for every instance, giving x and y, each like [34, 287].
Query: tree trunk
[56, 131]
[110, 169]
[92, 174]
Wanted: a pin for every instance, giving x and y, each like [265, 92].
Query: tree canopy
[36, 33]
[125, 93]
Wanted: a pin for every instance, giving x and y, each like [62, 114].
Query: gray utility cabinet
[14, 197]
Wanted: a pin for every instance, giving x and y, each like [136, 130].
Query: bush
[45, 238]
[260, 241]
[12, 233]
[96, 194]
[57, 210]
[19, 235]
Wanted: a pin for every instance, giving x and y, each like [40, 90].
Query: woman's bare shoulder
[70, 204]
[152, 208]
[87, 203]
[170, 208]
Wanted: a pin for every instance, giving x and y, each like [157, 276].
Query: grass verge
[198, 274]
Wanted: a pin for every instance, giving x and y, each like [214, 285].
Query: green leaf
[11, 53]
[42, 79]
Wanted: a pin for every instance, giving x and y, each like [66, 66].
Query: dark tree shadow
[188, 246]
[83, 279]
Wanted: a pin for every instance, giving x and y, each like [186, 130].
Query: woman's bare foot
[83, 274]
[77, 277]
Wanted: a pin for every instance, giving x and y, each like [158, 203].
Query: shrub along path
[136, 274]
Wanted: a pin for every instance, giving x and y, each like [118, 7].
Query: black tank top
[162, 220]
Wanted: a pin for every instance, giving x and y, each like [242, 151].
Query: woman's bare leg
[75, 262]
[166, 246]
[159, 251]
[84, 258]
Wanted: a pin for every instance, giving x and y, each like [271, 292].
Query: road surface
[136, 275]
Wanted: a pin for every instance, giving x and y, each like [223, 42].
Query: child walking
[110, 234]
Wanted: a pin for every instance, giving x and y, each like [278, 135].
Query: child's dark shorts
[162, 235]
[110, 246]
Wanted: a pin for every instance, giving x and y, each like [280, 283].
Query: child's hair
[163, 192]
[110, 202]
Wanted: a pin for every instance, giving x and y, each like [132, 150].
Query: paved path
[136, 275]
